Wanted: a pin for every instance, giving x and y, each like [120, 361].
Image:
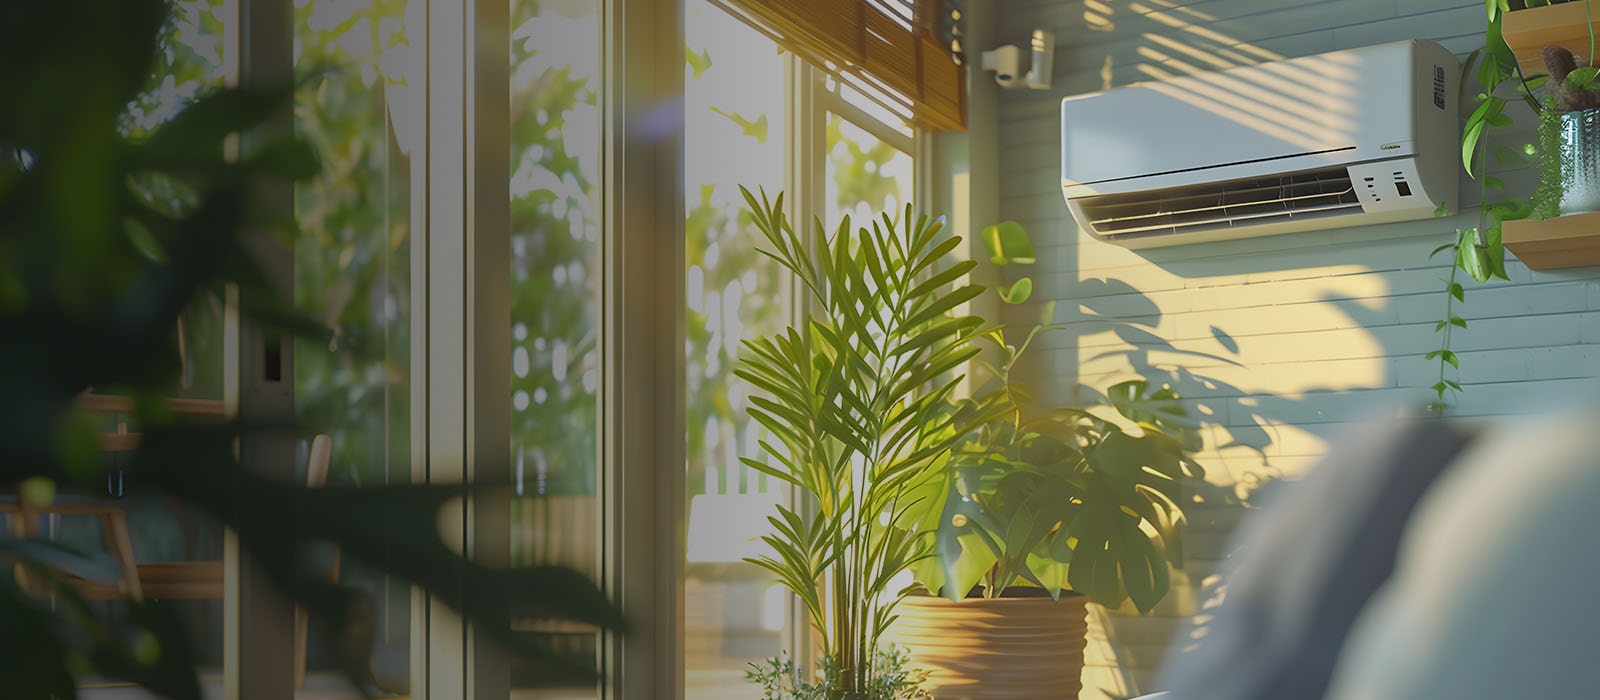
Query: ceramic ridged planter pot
[1021, 646]
[1580, 161]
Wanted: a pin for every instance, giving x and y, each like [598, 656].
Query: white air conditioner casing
[1341, 139]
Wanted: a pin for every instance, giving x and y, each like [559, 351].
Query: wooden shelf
[170, 580]
[113, 403]
[1528, 31]
[1568, 241]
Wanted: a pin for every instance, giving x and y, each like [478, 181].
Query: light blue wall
[1282, 340]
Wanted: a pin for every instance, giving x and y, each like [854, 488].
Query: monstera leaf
[1159, 410]
[1065, 501]
[1113, 560]
[964, 548]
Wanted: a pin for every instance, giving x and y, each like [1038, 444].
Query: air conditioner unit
[1341, 139]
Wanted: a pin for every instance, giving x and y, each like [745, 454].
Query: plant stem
[1449, 328]
[1588, 20]
[1483, 188]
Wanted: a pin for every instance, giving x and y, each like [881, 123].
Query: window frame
[461, 340]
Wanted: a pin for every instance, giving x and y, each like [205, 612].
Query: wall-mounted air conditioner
[1341, 139]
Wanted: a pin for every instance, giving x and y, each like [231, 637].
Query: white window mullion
[488, 339]
[441, 674]
[642, 445]
[258, 624]
[421, 386]
[468, 326]
[806, 184]
[922, 157]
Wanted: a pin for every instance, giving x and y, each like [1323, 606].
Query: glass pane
[362, 108]
[191, 61]
[890, 110]
[555, 305]
[735, 134]
[866, 177]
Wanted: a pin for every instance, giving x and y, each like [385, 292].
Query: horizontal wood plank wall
[1280, 342]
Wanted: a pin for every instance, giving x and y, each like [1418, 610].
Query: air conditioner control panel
[1390, 186]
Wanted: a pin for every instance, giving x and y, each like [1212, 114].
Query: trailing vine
[1479, 251]
[1454, 292]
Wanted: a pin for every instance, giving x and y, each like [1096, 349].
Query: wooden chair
[24, 517]
[111, 511]
[171, 580]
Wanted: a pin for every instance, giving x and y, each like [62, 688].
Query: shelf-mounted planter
[1568, 241]
[1528, 31]
[1572, 240]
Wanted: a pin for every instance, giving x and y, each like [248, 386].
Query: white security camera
[1007, 64]
[1013, 68]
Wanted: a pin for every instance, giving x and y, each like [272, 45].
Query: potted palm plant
[855, 400]
[902, 475]
[1032, 514]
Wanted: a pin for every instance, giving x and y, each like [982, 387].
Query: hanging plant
[1479, 251]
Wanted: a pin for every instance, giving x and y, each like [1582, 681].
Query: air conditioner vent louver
[1223, 205]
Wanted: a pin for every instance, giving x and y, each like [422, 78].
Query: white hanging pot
[1580, 161]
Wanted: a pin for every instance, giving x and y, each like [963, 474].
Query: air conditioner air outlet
[1211, 206]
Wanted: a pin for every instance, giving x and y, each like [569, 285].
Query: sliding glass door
[736, 124]
[360, 102]
[556, 342]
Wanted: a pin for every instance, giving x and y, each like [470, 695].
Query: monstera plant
[1055, 498]
[1066, 500]
[1059, 497]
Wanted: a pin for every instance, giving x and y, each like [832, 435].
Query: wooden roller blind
[893, 47]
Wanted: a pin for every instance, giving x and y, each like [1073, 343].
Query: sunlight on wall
[1186, 26]
[1268, 365]
[1097, 16]
[1224, 51]
[1262, 108]
[1289, 341]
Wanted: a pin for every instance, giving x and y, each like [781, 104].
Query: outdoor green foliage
[555, 243]
[890, 679]
[741, 274]
[857, 166]
[855, 398]
[1057, 497]
[353, 250]
[189, 62]
[746, 290]
[94, 274]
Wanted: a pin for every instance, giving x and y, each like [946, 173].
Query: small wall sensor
[1009, 63]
